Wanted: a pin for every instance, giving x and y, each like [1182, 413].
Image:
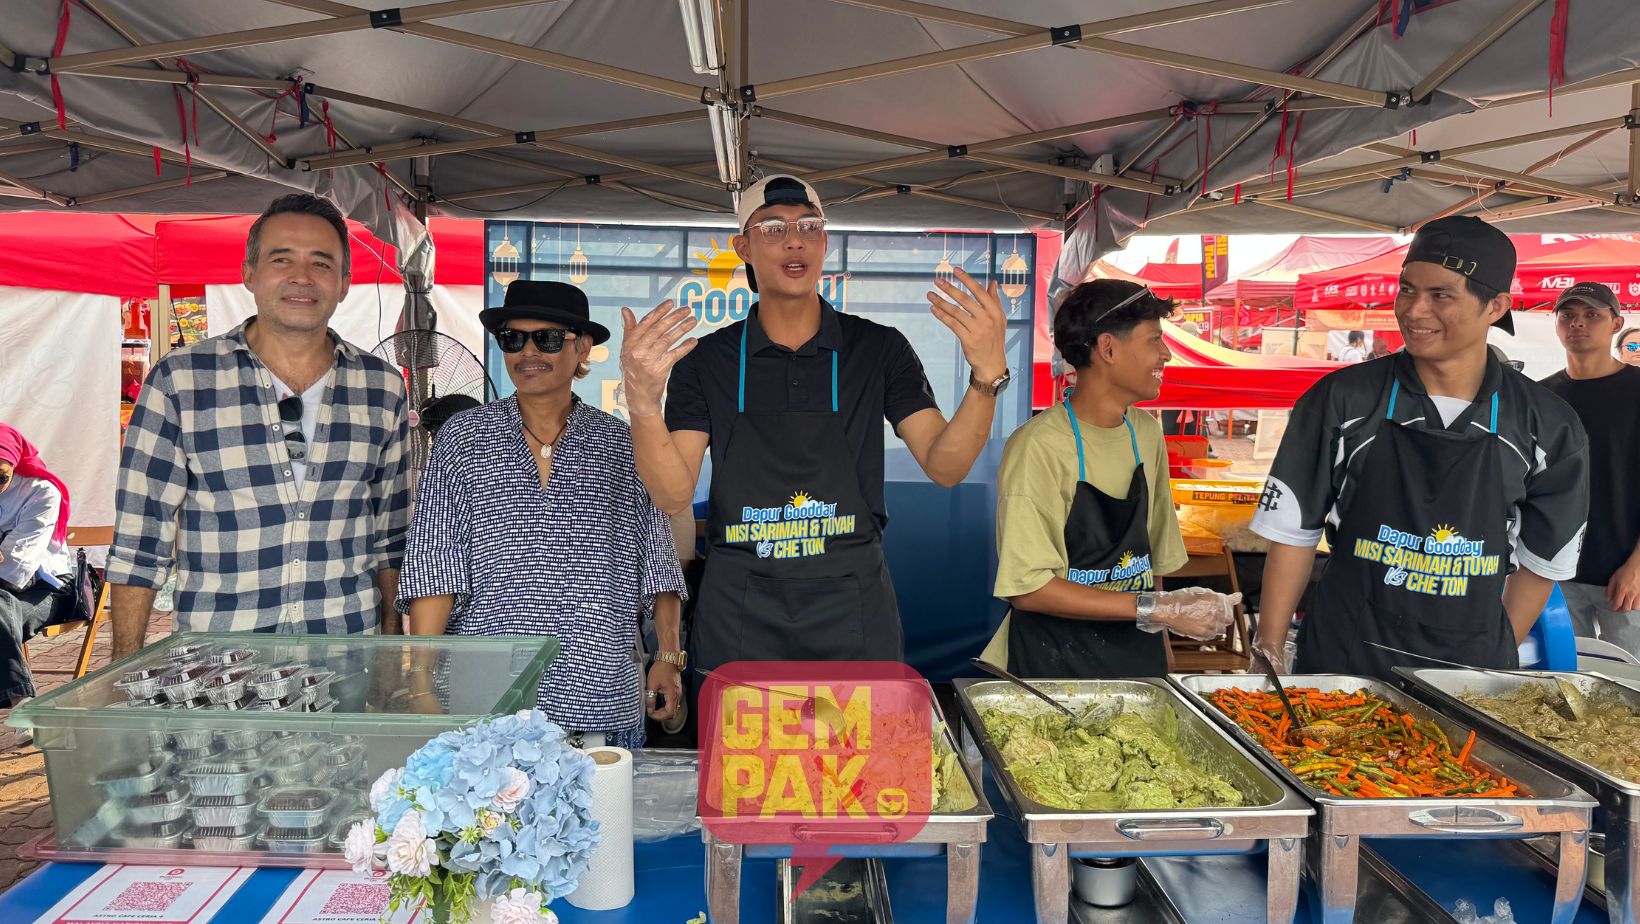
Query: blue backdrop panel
[940, 544]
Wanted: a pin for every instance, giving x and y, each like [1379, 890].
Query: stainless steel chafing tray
[956, 835]
[1547, 802]
[1620, 797]
[1274, 816]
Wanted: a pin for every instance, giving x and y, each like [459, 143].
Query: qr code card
[339, 896]
[149, 894]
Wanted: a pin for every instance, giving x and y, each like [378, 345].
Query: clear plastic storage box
[218, 745]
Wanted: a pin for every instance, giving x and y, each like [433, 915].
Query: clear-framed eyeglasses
[774, 230]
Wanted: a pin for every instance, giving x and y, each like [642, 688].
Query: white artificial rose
[384, 784]
[513, 791]
[520, 906]
[360, 847]
[488, 821]
[410, 852]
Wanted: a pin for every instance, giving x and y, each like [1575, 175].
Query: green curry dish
[1133, 766]
[951, 790]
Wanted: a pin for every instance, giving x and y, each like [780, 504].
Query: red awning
[211, 250]
[1276, 279]
[1545, 266]
[1173, 280]
[94, 252]
[1208, 388]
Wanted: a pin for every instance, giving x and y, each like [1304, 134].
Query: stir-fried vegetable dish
[1389, 755]
[1131, 765]
[1607, 737]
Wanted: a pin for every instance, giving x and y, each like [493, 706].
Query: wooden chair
[86, 537]
[1228, 652]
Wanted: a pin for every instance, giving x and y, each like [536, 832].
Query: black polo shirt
[878, 377]
[1545, 459]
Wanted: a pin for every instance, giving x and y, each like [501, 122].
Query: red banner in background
[1215, 260]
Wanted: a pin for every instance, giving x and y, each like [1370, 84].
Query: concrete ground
[25, 810]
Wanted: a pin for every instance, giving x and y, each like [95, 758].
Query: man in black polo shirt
[791, 401]
[1605, 393]
[1434, 473]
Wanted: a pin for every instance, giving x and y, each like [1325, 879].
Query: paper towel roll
[607, 883]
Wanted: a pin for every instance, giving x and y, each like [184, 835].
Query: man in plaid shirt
[268, 464]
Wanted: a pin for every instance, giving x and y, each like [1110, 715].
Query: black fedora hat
[558, 302]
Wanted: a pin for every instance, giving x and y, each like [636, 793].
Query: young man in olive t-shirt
[1605, 393]
[1081, 531]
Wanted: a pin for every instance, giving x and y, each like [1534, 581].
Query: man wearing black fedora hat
[1452, 490]
[531, 520]
[791, 402]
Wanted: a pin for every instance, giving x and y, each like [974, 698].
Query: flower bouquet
[500, 812]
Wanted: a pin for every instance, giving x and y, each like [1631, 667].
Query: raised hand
[977, 318]
[649, 350]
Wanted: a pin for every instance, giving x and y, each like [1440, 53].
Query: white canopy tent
[908, 115]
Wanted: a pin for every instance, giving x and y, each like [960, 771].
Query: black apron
[1419, 558]
[795, 570]
[1107, 545]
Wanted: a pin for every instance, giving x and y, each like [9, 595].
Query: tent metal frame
[743, 101]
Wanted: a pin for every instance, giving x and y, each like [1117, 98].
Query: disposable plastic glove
[1193, 612]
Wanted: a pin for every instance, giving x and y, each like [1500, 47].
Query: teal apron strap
[741, 392]
[1081, 463]
[1494, 412]
[1132, 439]
[743, 364]
[1396, 389]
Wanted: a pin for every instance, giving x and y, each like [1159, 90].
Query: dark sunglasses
[1119, 306]
[290, 411]
[547, 340]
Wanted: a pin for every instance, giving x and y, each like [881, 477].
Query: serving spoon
[1095, 718]
[1331, 736]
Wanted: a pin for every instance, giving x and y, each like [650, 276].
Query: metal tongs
[1095, 719]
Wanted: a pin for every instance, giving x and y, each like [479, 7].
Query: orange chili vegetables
[1391, 755]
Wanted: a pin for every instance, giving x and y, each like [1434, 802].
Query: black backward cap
[1469, 247]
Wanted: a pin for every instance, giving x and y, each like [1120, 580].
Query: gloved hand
[1193, 612]
[1277, 653]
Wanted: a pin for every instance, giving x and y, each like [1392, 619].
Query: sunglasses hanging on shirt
[548, 340]
[290, 411]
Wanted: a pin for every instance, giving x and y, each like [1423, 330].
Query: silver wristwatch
[1144, 606]
[991, 389]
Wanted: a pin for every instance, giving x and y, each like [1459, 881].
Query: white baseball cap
[778, 189]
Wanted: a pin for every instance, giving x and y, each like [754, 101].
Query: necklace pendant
[546, 452]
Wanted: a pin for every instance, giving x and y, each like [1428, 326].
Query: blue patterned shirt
[206, 484]
[581, 561]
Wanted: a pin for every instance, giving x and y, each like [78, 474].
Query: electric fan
[443, 379]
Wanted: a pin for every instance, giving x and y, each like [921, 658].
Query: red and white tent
[1275, 281]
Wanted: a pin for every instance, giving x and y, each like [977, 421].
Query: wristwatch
[1144, 606]
[991, 389]
[678, 659]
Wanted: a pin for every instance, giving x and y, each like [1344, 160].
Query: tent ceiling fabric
[118, 120]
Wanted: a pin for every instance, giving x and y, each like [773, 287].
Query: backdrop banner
[59, 386]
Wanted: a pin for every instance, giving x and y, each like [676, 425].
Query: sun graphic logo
[801, 499]
[1444, 534]
[720, 293]
[1126, 561]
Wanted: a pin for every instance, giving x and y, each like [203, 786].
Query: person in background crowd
[35, 570]
[1433, 473]
[1605, 393]
[1628, 346]
[268, 464]
[1380, 347]
[1356, 352]
[792, 402]
[531, 520]
[1085, 519]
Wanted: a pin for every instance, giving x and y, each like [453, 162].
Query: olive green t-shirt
[1037, 483]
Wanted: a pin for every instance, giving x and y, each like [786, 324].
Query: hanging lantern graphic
[579, 266]
[945, 270]
[1016, 276]
[505, 260]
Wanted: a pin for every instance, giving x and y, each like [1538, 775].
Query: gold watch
[678, 659]
[991, 389]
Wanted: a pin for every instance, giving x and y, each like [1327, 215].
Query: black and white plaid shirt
[206, 484]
